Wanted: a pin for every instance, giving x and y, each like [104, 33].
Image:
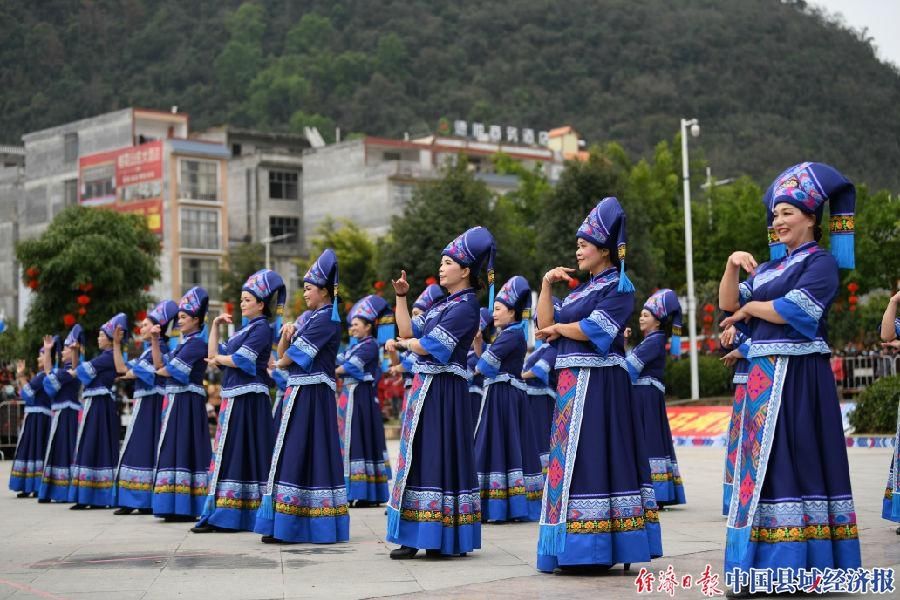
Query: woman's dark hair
[613, 253]
[817, 233]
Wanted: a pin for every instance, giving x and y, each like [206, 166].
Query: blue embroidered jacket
[187, 365]
[34, 396]
[601, 312]
[147, 382]
[360, 361]
[647, 362]
[63, 388]
[542, 363]
[249, 349]
[476, 379]
[504, 359]
[314, 350]
[98, 375]
[446, 332]
[802, 286]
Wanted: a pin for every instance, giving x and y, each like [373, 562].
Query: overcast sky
[881, 17]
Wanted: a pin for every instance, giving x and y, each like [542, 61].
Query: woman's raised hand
[558, 274]
[222, 318]
[743, 260]
[401, 286]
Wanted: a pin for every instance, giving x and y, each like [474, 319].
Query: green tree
[242, 262]
[355, 251]
[877, 240]
[71, 259]
[313, 33]
[241, 58]
[437, 213]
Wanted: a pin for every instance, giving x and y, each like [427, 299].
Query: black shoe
[898, 531]
[270, 539]
[145, 511]
[78, 507]
[403, 553]
[179, 519]
[205, 528]
[23, 494]
[433, 553]
[43, 500]
[123, 511]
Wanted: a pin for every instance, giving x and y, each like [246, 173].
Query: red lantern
[69, 319]
[430, 281]
[853, 299]
[82, 311]
[140, 315]
[33, 284]
[137, 330]
[229, 307]
[379, 285]
[852, 308]
[852, 286]
[83, 300]
[708, 307]
[32, 272]
[707, 319]
[573, 283]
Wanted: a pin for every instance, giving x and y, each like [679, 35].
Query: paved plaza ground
[47, 551]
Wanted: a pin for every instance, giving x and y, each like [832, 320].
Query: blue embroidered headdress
[75, 337]
[474, 249]
[605, 228]
[195, 303]
[324, 274]
[375, 310]
[164, 314]
[109, 328]
[268, 287]
[664, 305]
[428, 297]
[516, 295]
[808, 186]
[55, 351]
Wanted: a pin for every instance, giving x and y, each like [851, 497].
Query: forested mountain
[772, 82]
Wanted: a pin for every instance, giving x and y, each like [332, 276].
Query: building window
[402, 193]
[70, 147]
[200, 228]
[391, 156]
[199, 180]
[71, 194]
[289, 226]
[236, 149]
[200, 271]
[98, 184]
[283, 185]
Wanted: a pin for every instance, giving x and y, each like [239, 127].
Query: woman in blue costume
[181, 477]
[305, 498]
[137, 458]
[246, 434]
[359, 417]
[890, 337]
[28, 463]
[792, 505]
[435, 502]
[738, 345]
[539, 375]
[64, 390]
[483, 338]
[599, 508]
[506, 452]
[97, 446]
[280, 376]
[647, 368]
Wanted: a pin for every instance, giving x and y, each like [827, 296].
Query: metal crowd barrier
[854, 373]
[12, 413]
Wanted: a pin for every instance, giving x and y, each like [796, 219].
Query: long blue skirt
[541, 406]
[440, 506]
[887, 504]
[734, 439]
[243, 453]
[134, 482]
[382, 438]
[805, 517]
[475, 404]
[28, 464]
[664, 472]
[57, 475]
[309, 496]
[506, 457]
[96, 453]
[368, 472]
[180, 482]
[611, 516]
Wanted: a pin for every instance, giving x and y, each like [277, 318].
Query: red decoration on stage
[82, 311]
[83, 300]
[69, 319]
[378, 285]
[853, 287]
[33, 284]
[32, 272]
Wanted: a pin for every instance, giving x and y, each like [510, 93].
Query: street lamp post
[268, 242]
[694, 126]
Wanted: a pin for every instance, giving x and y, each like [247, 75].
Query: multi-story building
[12, 175]
[265, 186]
[136, 161]
[371, 179]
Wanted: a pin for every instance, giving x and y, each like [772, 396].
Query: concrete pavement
[47, 551]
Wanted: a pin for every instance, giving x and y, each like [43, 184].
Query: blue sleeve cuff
[745, 294]
[245, 360]
[144, 371]
[179, 371]
[600, 329]
[85, 373]
[897, 327]
[635, 366]
[541, 370]
[302, 359]
[353, 369]
[223, 349]
[800, 312]
[439, 343]
[418, 326]
[280, 380]
[27, 394]
[488, 365]
[744, 349]
[51, 385]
